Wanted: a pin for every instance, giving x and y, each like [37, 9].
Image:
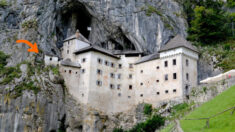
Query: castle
[116, 81]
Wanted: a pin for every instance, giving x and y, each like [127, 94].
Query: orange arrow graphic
[33, 47]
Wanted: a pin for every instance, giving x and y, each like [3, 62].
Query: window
[187, 76]
[67, 51]
[106, 63]
[76, 72]
[99, 71]
[111, 86]
[158, 93]
[174, 90]
[99, 83]
[119, 86]
[174, 62]
[141, 84]
[187, 63]
[70, 71]
[82, 95]
[130, 65]
[119, 94]
[83, 60]
[166, 77]
[112, 75]
[50, 59]
[158, 67]
[83, 70]
[174, 76]
[112, 64]
[130, 87]
[120, 66]
[99, 61]
[166, 63]
[141, 71]
[129, 97]
[141, 95]
[166, 91]
[157, 81]
[130, 76]
[119, 76]
[64, 70]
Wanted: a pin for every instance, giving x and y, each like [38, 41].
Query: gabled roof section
[127, 52]
[96, 48]
[148, 58]
[68, 62]
[177, 42]
[80, 37]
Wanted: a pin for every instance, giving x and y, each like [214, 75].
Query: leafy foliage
[230, 3]
[148, 109]
[3, 3]
[150, 10]
[118, 130]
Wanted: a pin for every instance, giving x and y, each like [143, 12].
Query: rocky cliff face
[115, 24]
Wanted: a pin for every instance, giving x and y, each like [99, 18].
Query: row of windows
[70, 71]
[107, 63]
[175, 76]
[112, 86]
[174, 62]
[112, 75]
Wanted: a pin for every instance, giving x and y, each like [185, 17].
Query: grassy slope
[221, 123]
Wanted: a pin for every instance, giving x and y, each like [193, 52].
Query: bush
[148, 109]
[118, 130]
[152, 10]
[180, 107]
[30, 24]
[3, 3]
[3, 59]
[150, 125]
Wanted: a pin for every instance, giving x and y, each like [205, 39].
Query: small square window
[119, 86]
[83, 70]
[130, 76]
[130, 65]
[166, 64]
[174, 62]
[50, 59]
[99, 83]
[82, 95]
[111, 86]
[174, 76]
[99, 61]
[187, 76]
[166, 91]
[112, 75]
[99, 72]
[64, 70]
[158, 93]
[83, 60]
[106, 63]
[166, 77]
[158, 67]
[70, 71]
[130, 87]
[76, 72]
[157, 81]
[141, 95]
[67, 51]
[119, 94]
[129, 97]
[141, 84]
[120, 66]
[141, 71]
[119, 76]
[174, 90]
[187, 63]
[112, 65]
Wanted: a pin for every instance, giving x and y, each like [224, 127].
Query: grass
[221, 123]
[168, 128]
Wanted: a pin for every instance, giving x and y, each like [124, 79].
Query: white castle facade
[116, 81]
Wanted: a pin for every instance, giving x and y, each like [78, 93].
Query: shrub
[3, 59]
[150, 125]
[25, 86]
[3, 3]
[150, 10]
[180, 107]
[30, 24]
[118, 130]
[148, 109]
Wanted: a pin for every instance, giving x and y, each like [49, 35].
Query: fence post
[207, 123]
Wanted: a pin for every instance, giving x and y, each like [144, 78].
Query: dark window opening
[141, 71]
[166, 91]
[50, 59]
[99, 71]
[130, 76]
[119, 94]
[158, 67]
[82, 95]
[129, 97]
[83, 70]
[157, 81]
[112, 75]
[187, 63]
[99, 83]
[166, 77]
[70, 71]
[166, 64]
[99, 61]
[84, 60]
[174, 90]
[112, 65]
[174, 62]
[158, 93]
[130, 87]
[106, 63]
[119, 86]
[111, 86]
[120, 66]
[130, 65]
[67, 51]
[64, 70]
[141, 84]
[187, 76]
[119, 76]
[141, 95]
[76, 72]
[174, 76]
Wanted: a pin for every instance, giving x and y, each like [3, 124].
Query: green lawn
[222, 123]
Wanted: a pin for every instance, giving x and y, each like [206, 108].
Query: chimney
[77, 34]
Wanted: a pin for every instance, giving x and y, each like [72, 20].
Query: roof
[148, 58]
[81, 37]
[68, 62]
[177, 42]
[127, 52]
[96, 48]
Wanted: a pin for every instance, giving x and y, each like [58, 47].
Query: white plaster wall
[180, 50]
[48, 61]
